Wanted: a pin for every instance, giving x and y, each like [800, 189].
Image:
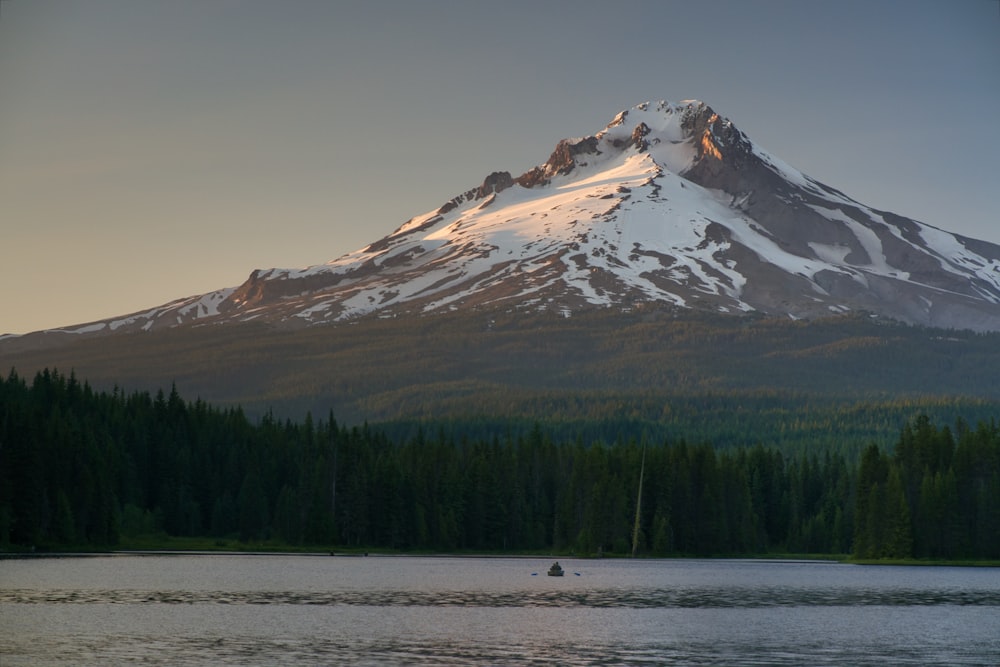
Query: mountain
[670, 204]
[663, 262]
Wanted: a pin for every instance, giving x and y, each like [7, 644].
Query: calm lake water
[321, 610]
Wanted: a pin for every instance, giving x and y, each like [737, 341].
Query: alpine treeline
[82, 468]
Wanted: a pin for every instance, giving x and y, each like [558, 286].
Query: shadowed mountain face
[600, 366]
[669, 205]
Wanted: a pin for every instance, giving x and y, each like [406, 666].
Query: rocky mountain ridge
[669, 204]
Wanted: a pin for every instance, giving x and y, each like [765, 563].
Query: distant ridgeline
[80, 468]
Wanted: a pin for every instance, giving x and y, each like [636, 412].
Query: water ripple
[651, 598]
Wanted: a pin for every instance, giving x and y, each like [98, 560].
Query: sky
[152, 150]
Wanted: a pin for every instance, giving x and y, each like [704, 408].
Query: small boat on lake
[556, 570]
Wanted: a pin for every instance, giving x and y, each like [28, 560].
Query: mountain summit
[669, 204]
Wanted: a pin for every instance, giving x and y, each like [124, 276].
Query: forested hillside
[82, 468]
[668, 373]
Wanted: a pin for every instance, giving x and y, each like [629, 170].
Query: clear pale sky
[156, 149]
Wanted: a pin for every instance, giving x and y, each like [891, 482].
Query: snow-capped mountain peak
[668, 204]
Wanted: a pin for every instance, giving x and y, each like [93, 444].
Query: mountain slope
[598, 365]
[669, 204]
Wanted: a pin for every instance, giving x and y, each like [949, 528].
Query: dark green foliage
[79, 467]
[602, 374]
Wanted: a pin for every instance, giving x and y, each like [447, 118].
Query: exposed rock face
[561, 162]
[669, 204]
[498, 181]
[638, 138]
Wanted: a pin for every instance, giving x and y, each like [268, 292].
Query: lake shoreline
[776, 558]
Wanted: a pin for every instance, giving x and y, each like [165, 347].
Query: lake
[322, 610]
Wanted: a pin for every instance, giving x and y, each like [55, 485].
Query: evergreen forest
[86, 469]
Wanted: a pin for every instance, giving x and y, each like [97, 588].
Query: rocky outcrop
[638, 138]
[561, 162]
[496, 182]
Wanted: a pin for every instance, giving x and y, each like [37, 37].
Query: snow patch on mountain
[668, 204]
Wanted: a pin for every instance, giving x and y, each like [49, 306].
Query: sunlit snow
[623, 224]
